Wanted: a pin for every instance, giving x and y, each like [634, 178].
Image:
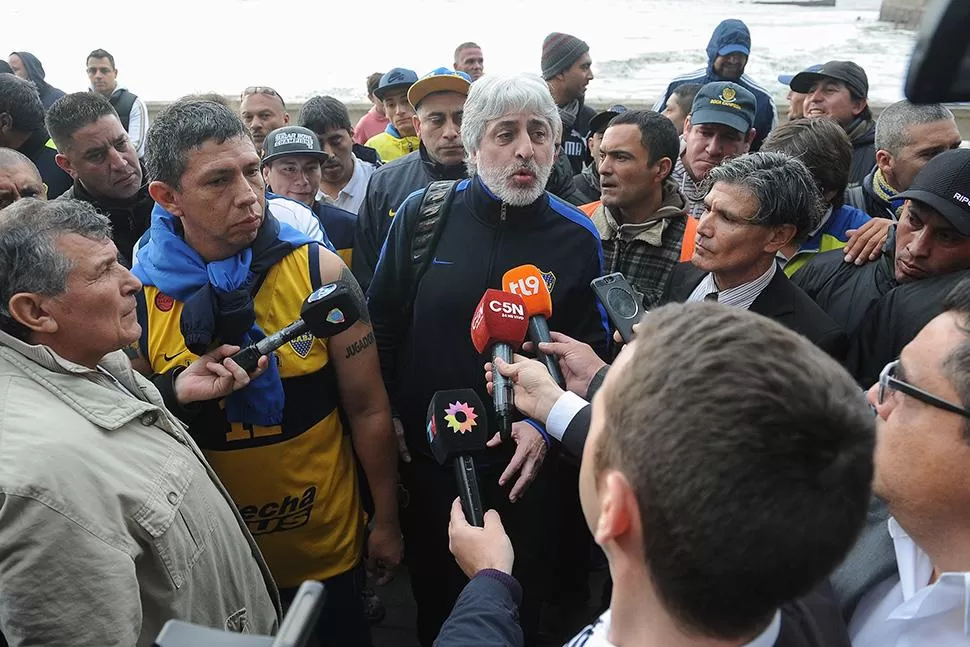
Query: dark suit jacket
[781, 300]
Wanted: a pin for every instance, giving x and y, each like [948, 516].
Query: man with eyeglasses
[262, 110]
[922, 462]
[131, 110]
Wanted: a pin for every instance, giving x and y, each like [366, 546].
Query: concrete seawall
[905, 13]
[358, 109]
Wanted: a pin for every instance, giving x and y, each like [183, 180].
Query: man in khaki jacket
[111, 521]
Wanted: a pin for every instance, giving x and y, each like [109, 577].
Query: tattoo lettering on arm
[359, 299]
[359, 345]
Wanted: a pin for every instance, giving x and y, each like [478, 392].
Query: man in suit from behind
[757, 204]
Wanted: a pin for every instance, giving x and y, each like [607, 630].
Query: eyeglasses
[889, 382]
[259, 89]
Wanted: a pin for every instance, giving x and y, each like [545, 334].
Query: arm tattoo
[359, 345]
[358, 295]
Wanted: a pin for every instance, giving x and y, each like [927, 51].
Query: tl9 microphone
[498, 327]
[527, 282]
[328, 311]
[457, 427]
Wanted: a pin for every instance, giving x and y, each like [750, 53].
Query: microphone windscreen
[499, 317]
[457, 424]
[527, 282]
[330, 310]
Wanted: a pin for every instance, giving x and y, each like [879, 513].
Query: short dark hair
[824, 148]
[184, 125]
[467, 45]
[74, 111]
[101, 53]
[19, 99]
[373, 81]
[956, 367]
[748, 467]
[658, 135]
[209, 96]
[685, 96]
[784, 187]
[321, 114]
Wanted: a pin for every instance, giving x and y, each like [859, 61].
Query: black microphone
[328, 311]
[458, 427]
[527, 282]
[498, 328]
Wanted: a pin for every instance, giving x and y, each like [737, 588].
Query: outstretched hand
[214, 375]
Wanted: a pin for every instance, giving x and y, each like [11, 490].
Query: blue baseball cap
[441, 79]
[396, 78]
[785, 79]
[733, 48]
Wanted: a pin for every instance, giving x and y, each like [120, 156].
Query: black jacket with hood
[35, 72]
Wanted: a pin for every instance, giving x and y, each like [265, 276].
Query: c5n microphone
[330, 310]
[498, 328]
[527, 282]
[457, 427]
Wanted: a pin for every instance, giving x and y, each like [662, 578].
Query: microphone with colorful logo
[457, 428]
[528, 282]
[328, 311]
[498, 329]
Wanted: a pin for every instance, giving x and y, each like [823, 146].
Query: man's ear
[416, 122]
[286, 117]
[28, 309]
[781, 235]
[266, 177]
[615, 518]
[64, 162]
[166, 196]
[664, 166]
[884, 160]
[750, 138]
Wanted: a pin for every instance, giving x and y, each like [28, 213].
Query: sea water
[169, 48]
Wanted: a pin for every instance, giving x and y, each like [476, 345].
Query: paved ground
[397, 629]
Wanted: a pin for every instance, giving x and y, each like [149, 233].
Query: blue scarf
[218, 300]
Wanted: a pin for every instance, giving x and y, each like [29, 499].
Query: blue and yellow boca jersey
[294, 484]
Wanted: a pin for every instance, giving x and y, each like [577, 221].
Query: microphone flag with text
[527, 282]
[457, 428]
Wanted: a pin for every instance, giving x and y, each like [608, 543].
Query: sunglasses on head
[259, 89]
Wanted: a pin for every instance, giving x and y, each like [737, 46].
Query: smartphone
[623, 304]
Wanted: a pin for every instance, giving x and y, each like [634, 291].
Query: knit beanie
[559, 52]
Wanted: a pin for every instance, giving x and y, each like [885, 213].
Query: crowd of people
[777, 458]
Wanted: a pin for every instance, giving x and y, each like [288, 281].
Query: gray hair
[187, 124]
[784, 187]
[29, 258]
[895, 119]
[10, 158]
[494, 96]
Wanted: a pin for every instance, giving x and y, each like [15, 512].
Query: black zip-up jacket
[846, 291]
[481, 239]
[129, 219]
[387, 189]
[395, 181]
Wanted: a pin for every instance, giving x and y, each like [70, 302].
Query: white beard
[498, 181]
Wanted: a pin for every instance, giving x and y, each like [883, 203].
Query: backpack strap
[432, 214]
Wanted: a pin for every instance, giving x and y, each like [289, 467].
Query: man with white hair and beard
[422, 298]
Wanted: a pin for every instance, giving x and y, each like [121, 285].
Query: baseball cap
[944, 185]
[733, 48]
[602, 118]
[723, 102]
[785, 79]
[846, 71]
[398, 77]
[439, 79]
[291, 140]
